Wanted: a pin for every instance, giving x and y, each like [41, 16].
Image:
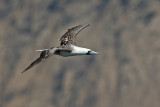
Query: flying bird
[68, 47]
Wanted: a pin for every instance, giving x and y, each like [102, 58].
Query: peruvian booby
[67, 47]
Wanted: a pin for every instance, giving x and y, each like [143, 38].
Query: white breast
[75, 51]
[80, 50]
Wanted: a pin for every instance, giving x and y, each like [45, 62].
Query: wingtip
[87, 24]
[23, 71]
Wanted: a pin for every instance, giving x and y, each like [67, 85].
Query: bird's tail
[42, 50]
[38, 60]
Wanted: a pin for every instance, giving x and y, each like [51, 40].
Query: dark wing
[70, 35]
[44, 55]
[32, 64]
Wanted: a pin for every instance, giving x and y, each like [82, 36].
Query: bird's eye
[88, 53]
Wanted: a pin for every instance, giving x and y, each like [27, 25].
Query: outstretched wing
[44, 55]
[38, 60]
[70, 35]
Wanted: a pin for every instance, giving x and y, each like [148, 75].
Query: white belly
[76, 51]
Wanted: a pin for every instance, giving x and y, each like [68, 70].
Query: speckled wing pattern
[70, 36]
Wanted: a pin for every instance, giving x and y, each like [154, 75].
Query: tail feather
[33, 64]
[42, 50]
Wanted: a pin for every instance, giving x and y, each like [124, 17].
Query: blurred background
[126, 33]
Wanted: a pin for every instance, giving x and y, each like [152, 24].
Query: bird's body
[75, 50]
[67, 47]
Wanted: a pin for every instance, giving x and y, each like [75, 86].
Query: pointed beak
[94, 53]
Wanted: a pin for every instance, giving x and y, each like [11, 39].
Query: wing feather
[45, 53]
[70, 36]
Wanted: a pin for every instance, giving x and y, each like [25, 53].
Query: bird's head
[90, 52]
